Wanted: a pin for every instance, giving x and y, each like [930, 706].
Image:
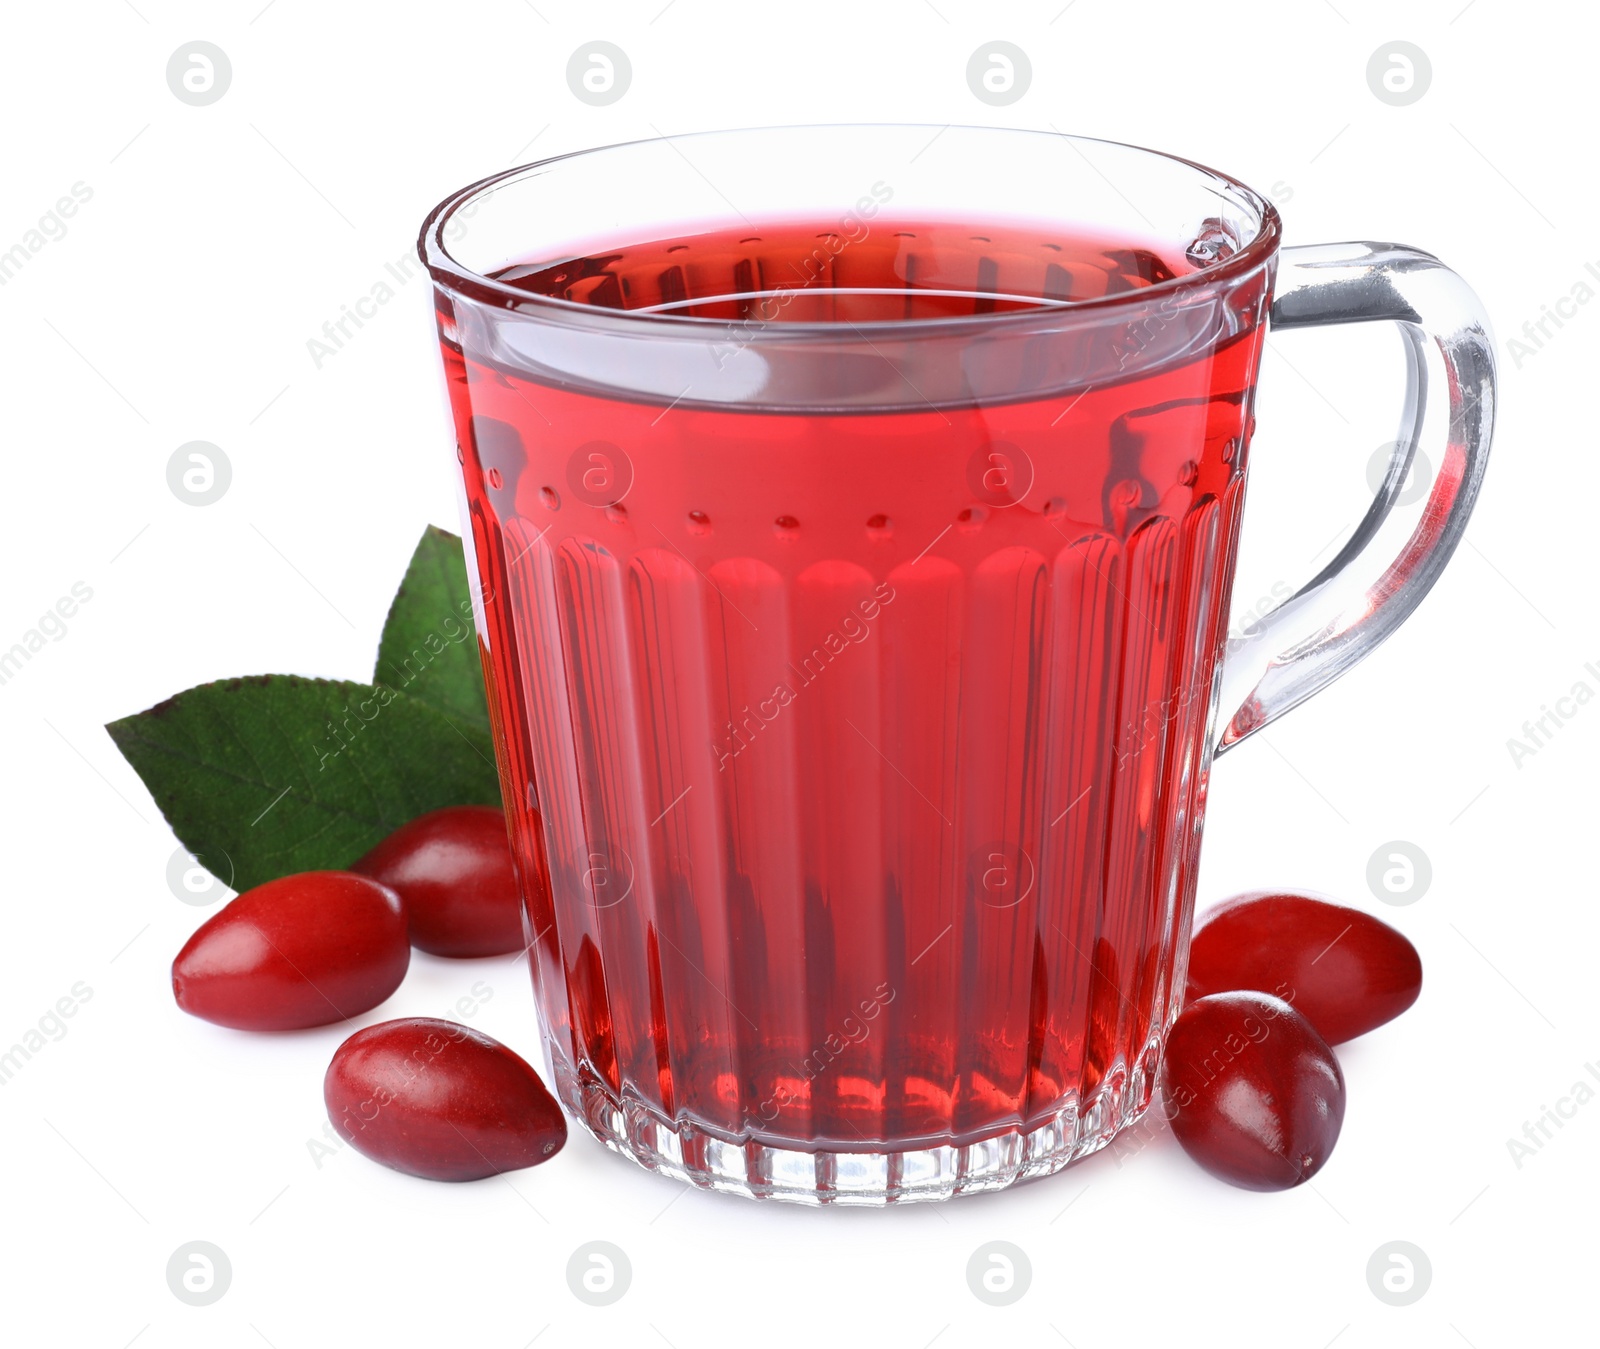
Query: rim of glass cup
[454, 276]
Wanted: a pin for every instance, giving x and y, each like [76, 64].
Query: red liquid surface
[869, 767]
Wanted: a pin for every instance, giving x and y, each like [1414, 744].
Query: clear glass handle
[1391, 561]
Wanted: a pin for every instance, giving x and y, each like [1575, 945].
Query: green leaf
[273, 774]
[429, 649]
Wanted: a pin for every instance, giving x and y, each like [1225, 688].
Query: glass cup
[853, 519]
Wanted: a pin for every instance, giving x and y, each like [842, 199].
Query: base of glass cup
[870, 1179]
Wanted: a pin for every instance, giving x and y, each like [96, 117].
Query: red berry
[299, 951]
[1253, 1093]
[1343, 970]
[453, 869]
[434, 1099]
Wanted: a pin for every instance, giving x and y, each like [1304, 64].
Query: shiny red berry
[434, 1099]
[1343, 970]
[299, 951]
[452, 867]
[1253, 1093]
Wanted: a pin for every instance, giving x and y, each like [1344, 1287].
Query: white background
[178, 307]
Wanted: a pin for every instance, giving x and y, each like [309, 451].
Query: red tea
[867, 735]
